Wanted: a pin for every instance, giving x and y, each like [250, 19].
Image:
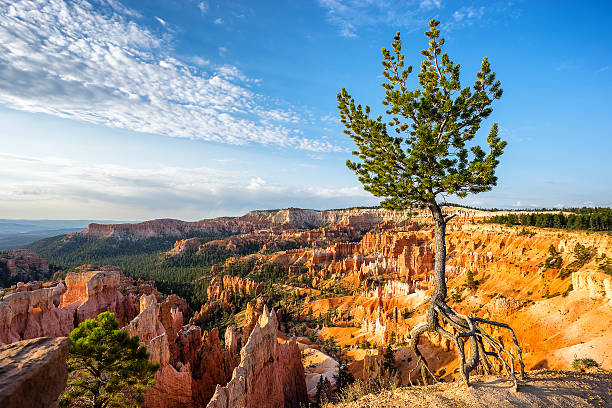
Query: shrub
[359, 388]
[582, 364]
[554, 258]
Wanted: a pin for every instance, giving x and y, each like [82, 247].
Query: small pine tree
[106, 367]
[344, 376]
[323, 391]
[580, 252]
[389, 359]
[392, 338]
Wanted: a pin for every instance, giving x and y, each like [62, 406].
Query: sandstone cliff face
[34, 310]
[90, 293]
[596, 283]
[183, 245]
[33, 372]
[289, 219]
[269, 375]
[29, 314]
[146, 325]
[170, 228]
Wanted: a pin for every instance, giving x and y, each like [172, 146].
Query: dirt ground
[541, 388]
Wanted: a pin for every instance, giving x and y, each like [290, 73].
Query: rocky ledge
[542, 388]
[33, 372]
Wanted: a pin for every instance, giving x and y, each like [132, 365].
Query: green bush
[582, 364]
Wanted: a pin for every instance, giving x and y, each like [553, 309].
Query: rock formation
[33, 372]
[29, 314]
[22, 265]
[288, 219]
[36, 310]
[192, 363]
[223, 289]
[90, 293]
[269, 375]
[598, 284]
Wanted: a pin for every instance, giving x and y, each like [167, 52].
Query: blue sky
[190, 109]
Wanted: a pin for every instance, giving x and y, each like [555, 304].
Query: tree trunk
[439, 293]
[466, 329]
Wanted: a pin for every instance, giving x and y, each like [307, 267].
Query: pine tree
[420, 152]
[106, 367]
[470, 280]
[389, 359]
[392, 338]
[344, 376]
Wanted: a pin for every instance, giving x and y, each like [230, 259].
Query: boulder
[33, 372]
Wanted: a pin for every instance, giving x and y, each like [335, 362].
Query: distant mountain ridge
[289, 218]
[16, 233]
[292, 218]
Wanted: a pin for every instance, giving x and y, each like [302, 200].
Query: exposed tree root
[469, 330]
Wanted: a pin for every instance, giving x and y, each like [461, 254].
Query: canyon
[193, 364]
[299, 291]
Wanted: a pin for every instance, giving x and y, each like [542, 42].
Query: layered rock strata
[90, 293]
[33, 310]
[29, 314]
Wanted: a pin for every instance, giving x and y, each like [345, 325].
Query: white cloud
[218, 20]
[199, 61]
[465, 17]
[161, 21]
[124, 192]
[350, 15]
[97, 64]
[430, 4]
[203, 7]
[468, 13]
[518, 204]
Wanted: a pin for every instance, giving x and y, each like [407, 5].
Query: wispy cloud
[161, 21]
[160, 191]
[351, 15]
[464, 17]
[98, 64]
[468, 14]
[203, 7]
[218, 21]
